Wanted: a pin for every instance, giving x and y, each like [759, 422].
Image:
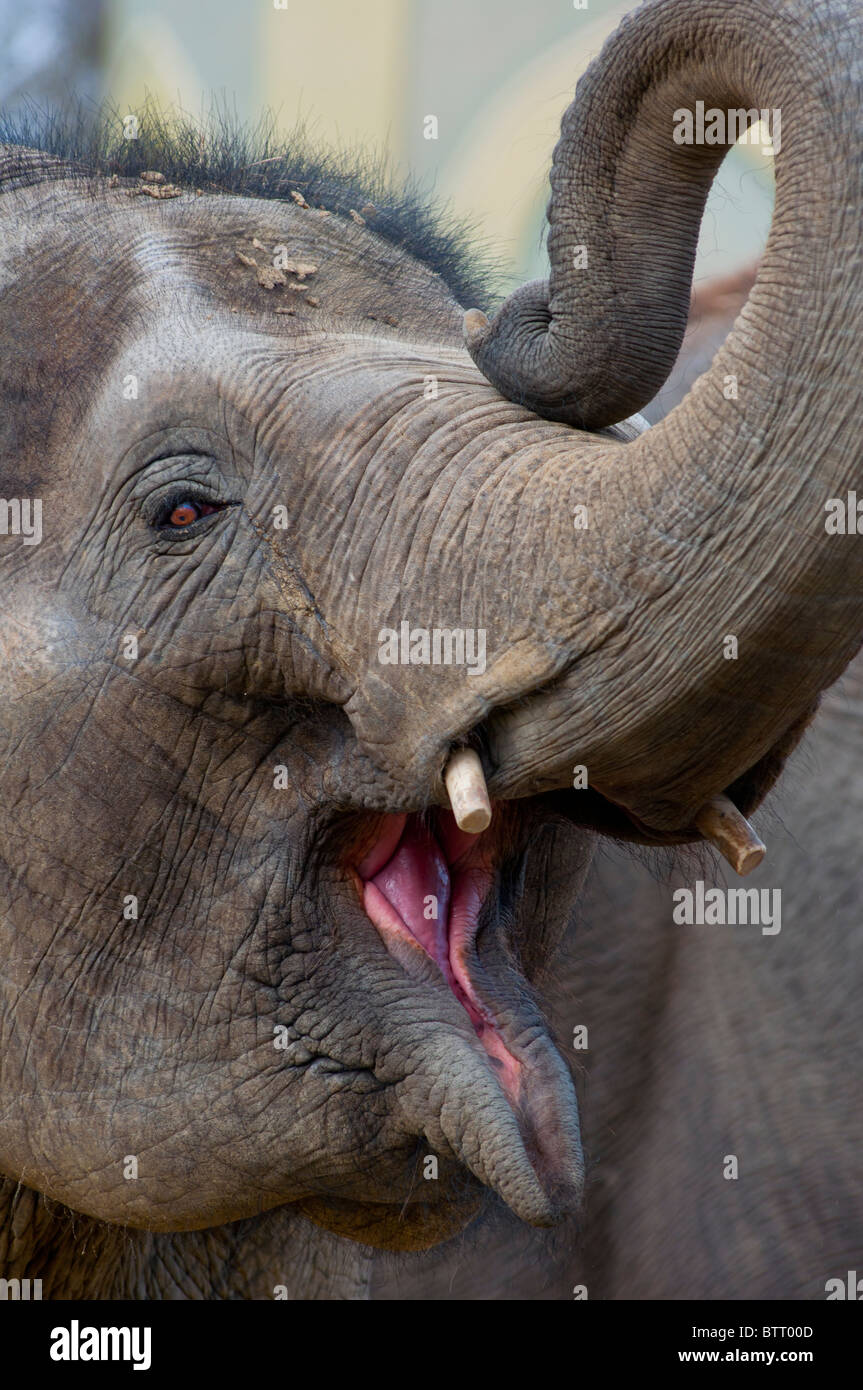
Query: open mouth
[425, 881]
[435, 893]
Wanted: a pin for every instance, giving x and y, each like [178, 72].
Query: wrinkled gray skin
[257, 648]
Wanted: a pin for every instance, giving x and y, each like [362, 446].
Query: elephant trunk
[706, 603]
[596, 342]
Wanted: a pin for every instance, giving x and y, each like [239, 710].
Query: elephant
[271, 1014]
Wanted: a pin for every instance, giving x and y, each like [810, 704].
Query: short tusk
[468, 793]
[724, 826]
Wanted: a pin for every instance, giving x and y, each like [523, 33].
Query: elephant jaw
[423, 885]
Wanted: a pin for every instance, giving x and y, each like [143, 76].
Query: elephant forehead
[294, 267]
[203, 379]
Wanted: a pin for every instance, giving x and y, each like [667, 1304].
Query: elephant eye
[179, 513]
[186, 512]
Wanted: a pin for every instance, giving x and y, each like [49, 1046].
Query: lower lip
[449, 943]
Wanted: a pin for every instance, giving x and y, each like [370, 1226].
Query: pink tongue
[416, 882]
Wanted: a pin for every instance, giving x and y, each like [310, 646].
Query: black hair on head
[219, 154]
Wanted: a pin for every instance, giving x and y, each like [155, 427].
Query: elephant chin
[411, 1227]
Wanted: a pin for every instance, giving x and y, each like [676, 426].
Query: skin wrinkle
[298, 599]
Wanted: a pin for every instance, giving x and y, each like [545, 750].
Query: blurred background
[495, 74]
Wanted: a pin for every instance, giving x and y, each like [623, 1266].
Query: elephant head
[248, 958]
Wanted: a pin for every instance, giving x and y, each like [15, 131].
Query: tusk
[724, 826]
[468, 793]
